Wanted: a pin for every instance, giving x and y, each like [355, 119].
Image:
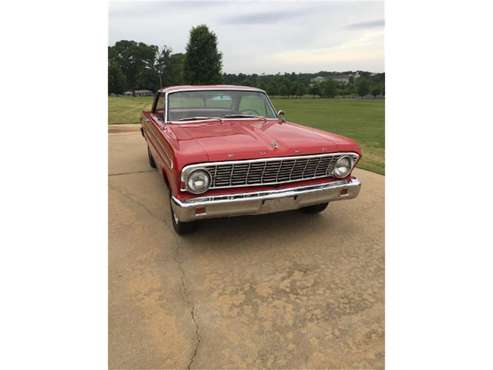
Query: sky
[263, 36]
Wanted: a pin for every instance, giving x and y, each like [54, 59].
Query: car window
[202, 100]
[218, 103]
[160, 107]
[253, 104]
[177, 101]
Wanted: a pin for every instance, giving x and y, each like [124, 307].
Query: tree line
[137, 66]
[324, 84]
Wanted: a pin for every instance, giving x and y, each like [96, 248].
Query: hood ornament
[275, 145]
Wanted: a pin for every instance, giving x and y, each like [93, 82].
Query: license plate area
[278, 204]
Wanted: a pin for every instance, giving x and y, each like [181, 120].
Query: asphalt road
[285, 290]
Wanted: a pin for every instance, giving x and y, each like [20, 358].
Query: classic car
[224, 151]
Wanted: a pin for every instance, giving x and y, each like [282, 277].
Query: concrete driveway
[285, 290]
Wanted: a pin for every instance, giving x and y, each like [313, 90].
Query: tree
[328, 89]
[300, 89]
[148, 79]
[116, 79]
[272, 87]
[376, 90]
[291, 87]
[175, 72]
[135, 60]
[203, 62]
[315, 89]
[161, 64]
[362, 86]
[125, 54]
[282, 84]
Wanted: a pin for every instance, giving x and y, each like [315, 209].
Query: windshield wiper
[240, 116]
[196, 118]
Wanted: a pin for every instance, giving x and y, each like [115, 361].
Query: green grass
[361, 120]
[127, 109]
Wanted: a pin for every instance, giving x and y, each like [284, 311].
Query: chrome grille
[271, 171]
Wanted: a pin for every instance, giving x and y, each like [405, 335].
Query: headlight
[198, 182]
[343, 167]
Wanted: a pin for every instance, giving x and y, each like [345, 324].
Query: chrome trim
[255, 202]
[280, 116]
[217, 87]
[188, 169]
[152, 138]
[269, 194]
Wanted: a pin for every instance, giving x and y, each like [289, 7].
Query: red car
[224, 151]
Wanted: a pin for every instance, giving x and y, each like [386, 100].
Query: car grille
[271, 171]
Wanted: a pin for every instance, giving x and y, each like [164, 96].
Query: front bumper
[260, 202]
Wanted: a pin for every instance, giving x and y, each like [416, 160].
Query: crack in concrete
[184, 289]
[193, 311]
[140, 204]
[129, 173]
[197, 336]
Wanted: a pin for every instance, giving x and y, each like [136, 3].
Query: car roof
[207, 87]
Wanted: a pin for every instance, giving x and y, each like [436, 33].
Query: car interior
[211, 104]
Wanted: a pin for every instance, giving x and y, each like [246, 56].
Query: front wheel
[180, 227]
[152, 162]
[315, 209]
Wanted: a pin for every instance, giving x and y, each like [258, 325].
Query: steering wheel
[249, 111]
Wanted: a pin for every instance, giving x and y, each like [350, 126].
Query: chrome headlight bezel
[350, 162]
[197, 172]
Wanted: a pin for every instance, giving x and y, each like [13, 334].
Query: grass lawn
[127, 109]
[362, 120]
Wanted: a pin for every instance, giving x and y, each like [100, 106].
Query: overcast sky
[263, 36]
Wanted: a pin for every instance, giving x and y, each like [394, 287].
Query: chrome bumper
[260, 202]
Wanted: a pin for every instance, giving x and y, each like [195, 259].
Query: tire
[315, 209]
[181, 228]
[152, 163]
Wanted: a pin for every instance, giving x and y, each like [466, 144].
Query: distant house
[342, 79]
[143, 93]
[318, 79]
[139, 93]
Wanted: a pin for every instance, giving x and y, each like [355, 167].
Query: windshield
[205, 104]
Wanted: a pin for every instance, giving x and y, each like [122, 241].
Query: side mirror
[280, 115]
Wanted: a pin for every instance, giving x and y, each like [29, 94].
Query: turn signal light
[200, 210]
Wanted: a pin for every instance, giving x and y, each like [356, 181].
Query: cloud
[366, 48]
[263, 36]
[365, 25]
[350, 53]
[139, 9]
[327, 57]
[269, 17]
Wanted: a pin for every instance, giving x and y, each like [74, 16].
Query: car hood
[253, 139]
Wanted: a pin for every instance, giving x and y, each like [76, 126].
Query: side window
[159, 112]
